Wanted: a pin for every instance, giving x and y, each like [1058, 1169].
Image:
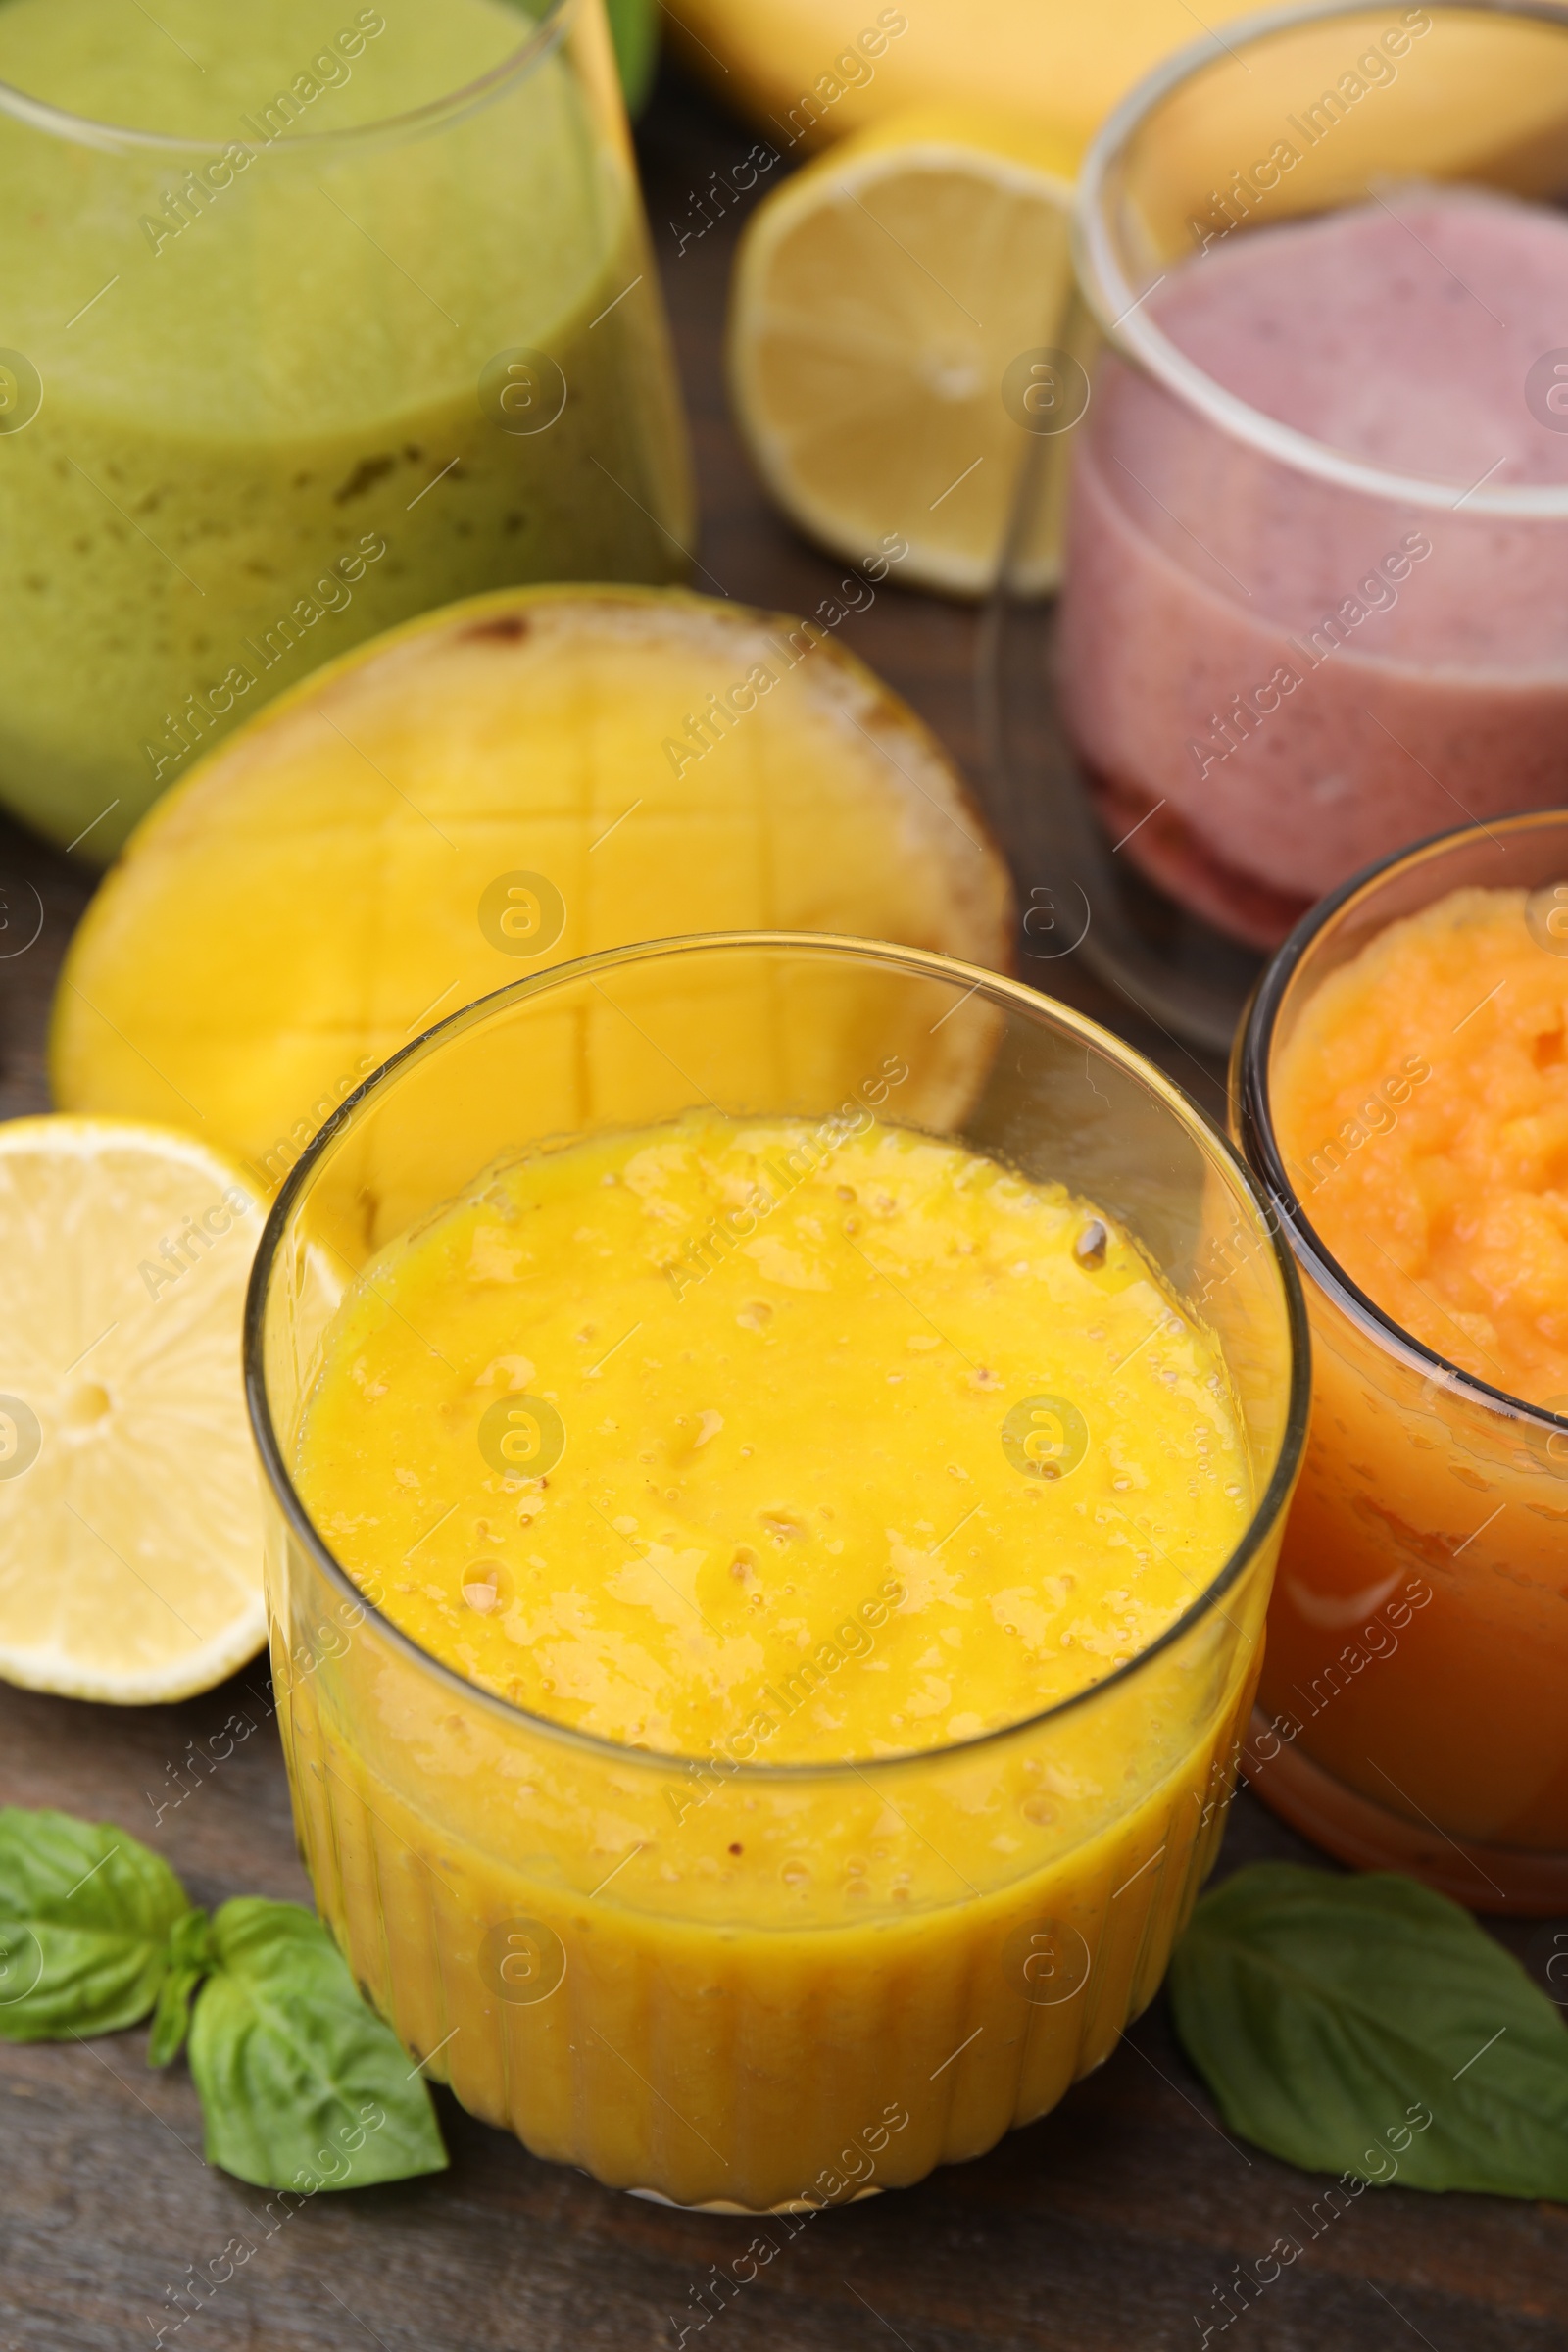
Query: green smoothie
[350, 315]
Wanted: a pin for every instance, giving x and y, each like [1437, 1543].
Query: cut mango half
[523, 778]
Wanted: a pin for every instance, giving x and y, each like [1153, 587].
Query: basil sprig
[302, 2086]
[294, 2070]
[85, 1918]
[1366, 2026]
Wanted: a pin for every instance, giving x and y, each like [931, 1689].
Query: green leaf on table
[190, 1956]
[1367, 2025]
[86, 1912]
[301, 2084]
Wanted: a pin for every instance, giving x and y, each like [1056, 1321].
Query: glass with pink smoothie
[1316, 592]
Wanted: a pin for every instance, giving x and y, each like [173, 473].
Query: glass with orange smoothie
[776, 1450]
[1402, 1090]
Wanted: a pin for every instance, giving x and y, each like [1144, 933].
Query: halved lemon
[894, 345]
[131, 1547]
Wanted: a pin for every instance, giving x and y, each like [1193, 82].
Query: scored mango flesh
[1422, 1110]
[824, 1442]
[481, 794]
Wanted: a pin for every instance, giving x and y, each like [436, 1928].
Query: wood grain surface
[1108, 2226]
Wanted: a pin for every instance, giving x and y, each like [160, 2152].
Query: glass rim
[1219, 1151]
[1116, 304]
[1256, 1117]
[83, 131]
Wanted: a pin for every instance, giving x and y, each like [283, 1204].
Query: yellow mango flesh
[869, 1444]
[334, 878]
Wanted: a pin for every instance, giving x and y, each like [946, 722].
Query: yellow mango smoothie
[776, 1473]
[1418, 1639]
[721, 1517]
[348, 317]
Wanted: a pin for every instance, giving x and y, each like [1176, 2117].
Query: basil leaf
[189, 1959]
[301, 2084]
[1368, 2027]
[86, 1912]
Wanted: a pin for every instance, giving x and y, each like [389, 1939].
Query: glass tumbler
[311, 319]
[711, 1978]
[1298, 627]
[1410, 1714]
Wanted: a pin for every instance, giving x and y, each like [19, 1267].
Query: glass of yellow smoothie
[314, 317]
[775, 1450]
[1401, 1088]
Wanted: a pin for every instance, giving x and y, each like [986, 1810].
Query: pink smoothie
[1284, 679]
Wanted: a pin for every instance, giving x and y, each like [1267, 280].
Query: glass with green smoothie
[312, 316]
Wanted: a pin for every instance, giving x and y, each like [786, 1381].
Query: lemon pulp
[130, 1555]
[890, 301]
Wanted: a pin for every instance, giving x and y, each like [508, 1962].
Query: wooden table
[1107, 2228]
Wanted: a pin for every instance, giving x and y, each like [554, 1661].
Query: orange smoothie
[779, 1475]
[1418, 1639]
